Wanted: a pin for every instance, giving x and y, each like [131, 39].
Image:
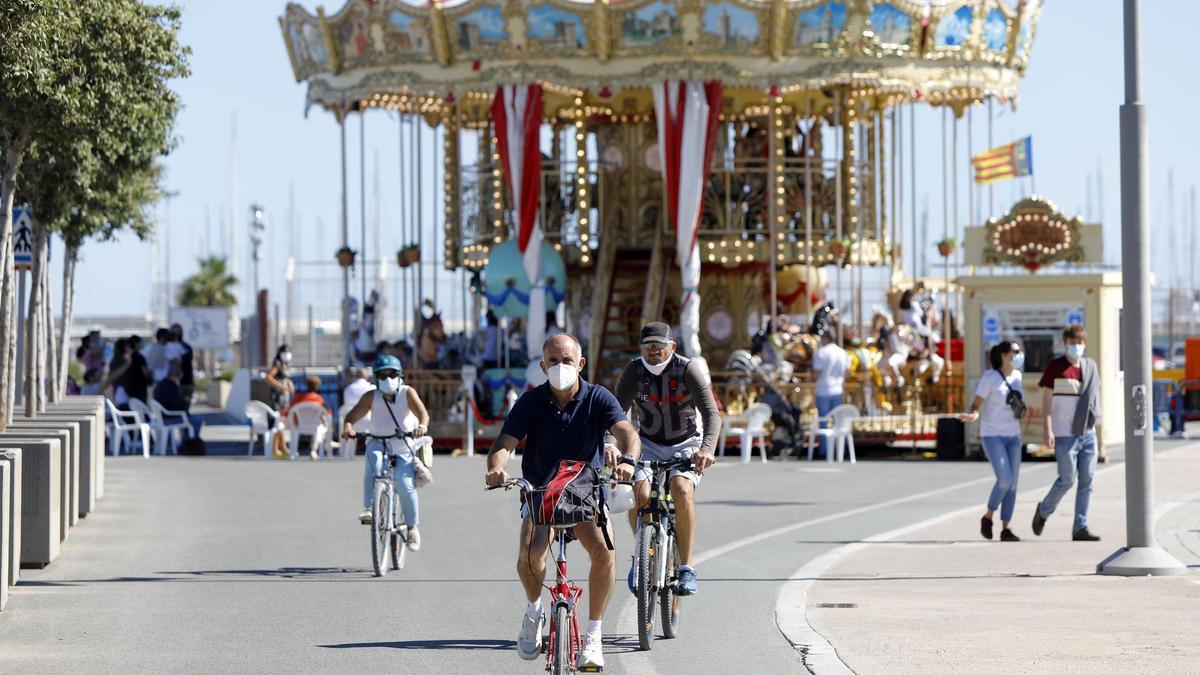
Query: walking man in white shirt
[830, 365]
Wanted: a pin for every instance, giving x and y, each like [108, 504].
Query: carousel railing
[735, 198]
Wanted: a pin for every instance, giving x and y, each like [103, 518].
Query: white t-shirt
[996, 418]
[833, 363]
[354, 391]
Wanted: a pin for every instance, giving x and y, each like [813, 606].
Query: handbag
[1015, 401]
[423, 451]
[422, 476]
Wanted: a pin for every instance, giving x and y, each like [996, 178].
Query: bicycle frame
[661, 512]
[564, 592]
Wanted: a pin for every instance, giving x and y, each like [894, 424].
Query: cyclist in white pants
[667, 393]
[394, 407]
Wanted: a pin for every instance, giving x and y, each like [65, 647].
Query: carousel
[723, 165]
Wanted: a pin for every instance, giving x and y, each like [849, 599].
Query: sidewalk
[940, 599]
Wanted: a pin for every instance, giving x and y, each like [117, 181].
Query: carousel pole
[974, 217]
[991, 190]
[839, 152]
[362, 200]
[401, 281]
[1141, 555]
[946, 259]
[912, 186]
[775, 180]
[420, 221]
[810, 267]
[346, 351]
[897, 199]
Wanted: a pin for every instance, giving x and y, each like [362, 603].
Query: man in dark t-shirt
[563, 419]
[136, 380]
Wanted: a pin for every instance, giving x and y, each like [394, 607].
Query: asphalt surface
[234, 565]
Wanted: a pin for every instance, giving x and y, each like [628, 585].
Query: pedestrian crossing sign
[22, 239]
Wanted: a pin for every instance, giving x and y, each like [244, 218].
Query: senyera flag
[517, 115]
[1007, 161]
[687, 113]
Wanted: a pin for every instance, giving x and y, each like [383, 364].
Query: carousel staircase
[634, 297]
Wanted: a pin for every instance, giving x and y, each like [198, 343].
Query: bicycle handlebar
[398, 434]
[681, 462]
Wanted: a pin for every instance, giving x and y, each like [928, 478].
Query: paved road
[226, 564]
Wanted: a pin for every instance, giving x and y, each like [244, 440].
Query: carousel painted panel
[649, 27]
[556, 29]
[405, 34]
[1025, 33]
[729, 26]
[305, 44]
[478, 31]
[894, 27]
[817, 25]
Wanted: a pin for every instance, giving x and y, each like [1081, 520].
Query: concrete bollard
[5, 519]
[96, 406]
[11, 457]
[90, 446]
[41, 499]
[76, 450]
[64, 468]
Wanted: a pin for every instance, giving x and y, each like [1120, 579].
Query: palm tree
[210, 287]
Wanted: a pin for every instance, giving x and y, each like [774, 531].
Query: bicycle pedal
[591, 669]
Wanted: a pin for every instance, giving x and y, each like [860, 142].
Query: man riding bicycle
[394, 407]
[563, 419]
[664, 390]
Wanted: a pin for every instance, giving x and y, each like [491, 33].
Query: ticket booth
[1030, 277]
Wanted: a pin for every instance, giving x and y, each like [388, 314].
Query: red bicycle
[564, 643]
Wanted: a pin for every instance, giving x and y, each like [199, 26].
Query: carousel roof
[421, 55]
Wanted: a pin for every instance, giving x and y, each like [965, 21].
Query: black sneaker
[1082, 534]
[1007, 535]
[985, 527]
[1038, 522]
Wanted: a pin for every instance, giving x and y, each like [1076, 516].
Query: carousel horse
[431, 337]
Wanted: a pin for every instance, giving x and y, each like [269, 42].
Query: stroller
[783, 414]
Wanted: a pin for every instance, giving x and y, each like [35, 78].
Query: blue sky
[1069, 102]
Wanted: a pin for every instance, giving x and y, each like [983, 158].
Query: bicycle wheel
[398, 541]
[668, 600]
[647, 543]
[379, 528]
[561, 644]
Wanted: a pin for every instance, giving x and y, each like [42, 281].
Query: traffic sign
[991, 329]
[1075, 316]
[22, 239]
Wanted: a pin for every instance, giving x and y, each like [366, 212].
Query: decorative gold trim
[335, 55]
[779, 29]
[440, 39]
[287, 41]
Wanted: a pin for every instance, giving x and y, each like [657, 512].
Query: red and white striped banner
[517, 115]
[687, 114]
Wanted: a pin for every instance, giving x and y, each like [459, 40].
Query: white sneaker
[365, 517]
[529, 641]
[414, 539]
[592, 655]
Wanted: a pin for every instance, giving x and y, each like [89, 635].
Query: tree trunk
[35, 345]
[70, 256]
[50, 358]
[14, 151]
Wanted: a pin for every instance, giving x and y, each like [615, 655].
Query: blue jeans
[1004, 452]
[406, 489]
[1075, 455]
[824, 405]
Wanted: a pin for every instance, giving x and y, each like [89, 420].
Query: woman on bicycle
[998, 400]
[394, 407]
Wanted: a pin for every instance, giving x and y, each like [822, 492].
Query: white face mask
[286, 357]
[389, 385]
[1018, 361]
[655, 369]
[1075, 351]
[563, 376]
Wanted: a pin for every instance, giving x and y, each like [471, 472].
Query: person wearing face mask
[565, 418]
[394, 406]
[999, 403]
[664, 391]
[279, 377]
[1071, 391]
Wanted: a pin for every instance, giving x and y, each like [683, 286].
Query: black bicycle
[389, 534]
[658, 553]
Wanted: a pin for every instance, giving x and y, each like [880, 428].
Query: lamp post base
[1140, 562]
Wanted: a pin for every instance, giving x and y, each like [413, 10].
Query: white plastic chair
[126, 427]
[728, 424]
[839, 433]
[309, 419]
[346, 446]
[176, 425]
[158, 430]
[754, 431]
[259, 414]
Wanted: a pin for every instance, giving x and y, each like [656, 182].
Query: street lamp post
[1141, 555]
[258, 226]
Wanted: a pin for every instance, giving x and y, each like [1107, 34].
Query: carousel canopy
[606, 55]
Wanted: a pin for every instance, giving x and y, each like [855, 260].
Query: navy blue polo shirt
[553, 434]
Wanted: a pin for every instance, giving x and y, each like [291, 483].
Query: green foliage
[212, 286]
[91, 169]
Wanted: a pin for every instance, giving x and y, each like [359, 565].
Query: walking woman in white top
[999, 404]
[393, 407]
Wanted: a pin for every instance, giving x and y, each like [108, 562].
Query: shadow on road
[469, 645]
[751, 502]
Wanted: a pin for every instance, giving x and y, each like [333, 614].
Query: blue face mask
[1018, 361]
[1075, 351]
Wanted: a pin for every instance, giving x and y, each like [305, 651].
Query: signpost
[204, 327]
[22, 262]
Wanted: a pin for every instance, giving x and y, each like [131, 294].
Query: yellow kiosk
[1031, 273]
